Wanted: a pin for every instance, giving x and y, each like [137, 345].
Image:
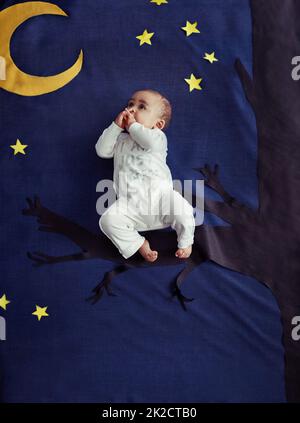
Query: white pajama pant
[122, 221]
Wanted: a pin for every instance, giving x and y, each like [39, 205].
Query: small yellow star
[145, 37]
[40, 312]
[210, 57]
[193, 82]
[4, 302]
[159, 2]
[190, 28]
[18, 147]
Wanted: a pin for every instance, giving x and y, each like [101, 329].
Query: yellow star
[193, 82]
[210, 57]
[145, 37]
[4, 302]
[40, 312]
[159, 2]
[18, 147]
[190, 28]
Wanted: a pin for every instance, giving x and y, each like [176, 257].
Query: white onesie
[143, 183]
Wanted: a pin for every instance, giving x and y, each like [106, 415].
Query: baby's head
[150, 108]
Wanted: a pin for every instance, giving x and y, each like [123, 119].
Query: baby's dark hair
[166, 111]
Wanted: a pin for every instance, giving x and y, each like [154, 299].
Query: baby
[142, 179]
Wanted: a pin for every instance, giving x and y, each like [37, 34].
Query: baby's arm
[148, 138]
[106, 142]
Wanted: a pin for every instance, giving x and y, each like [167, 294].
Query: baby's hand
[121, 119]
[129, 119]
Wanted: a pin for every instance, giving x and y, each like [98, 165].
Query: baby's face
[146, 109]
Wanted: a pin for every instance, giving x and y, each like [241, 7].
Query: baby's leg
[181, 218]
[119, 227]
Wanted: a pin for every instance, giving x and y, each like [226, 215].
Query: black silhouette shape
[98, 246]
[263, 243]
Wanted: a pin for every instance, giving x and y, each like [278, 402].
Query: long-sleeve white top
[140, 167]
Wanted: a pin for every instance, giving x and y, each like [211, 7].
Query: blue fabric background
[139, 346]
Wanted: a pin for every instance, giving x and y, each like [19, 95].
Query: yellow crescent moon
[19, 82]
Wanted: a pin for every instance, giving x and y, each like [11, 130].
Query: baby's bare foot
[184, 252]
[147, 253]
